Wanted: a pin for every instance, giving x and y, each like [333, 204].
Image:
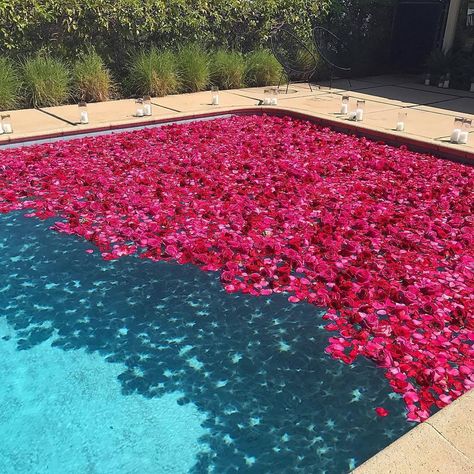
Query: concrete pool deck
[445, 442]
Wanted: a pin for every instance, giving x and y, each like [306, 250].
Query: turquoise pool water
[133, 366]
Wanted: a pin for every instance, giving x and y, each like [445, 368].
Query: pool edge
[412, 142]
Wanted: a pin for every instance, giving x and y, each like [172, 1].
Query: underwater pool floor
[134, 366]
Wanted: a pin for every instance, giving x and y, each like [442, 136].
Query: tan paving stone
[463, 106]
[402, 95]
[456, 424]
[330, 104]
[32, 121]
[202, 101]
[418, 122]
[391, 79]
[421, 451]
[343, 84]
[295, 90]
[103, 112]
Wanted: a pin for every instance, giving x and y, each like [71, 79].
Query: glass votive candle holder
[274, 99]
[147, 111]
[465, 129]
[456, 133]
[267, 96]
[214, 95]
[401, 122]
[6, 124]
[447, 80]
[83, 114]
[360, 110]
[139, 112]
[345, 105]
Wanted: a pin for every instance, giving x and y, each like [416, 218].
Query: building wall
[451, 24]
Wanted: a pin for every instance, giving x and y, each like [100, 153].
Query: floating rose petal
[381, 411]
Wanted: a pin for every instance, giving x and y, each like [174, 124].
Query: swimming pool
[149, 366]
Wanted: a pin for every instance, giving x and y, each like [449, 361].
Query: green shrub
[228, 69]
[92, 80]
[193, 67]
[46, 81]
[439, 62]
[263, 69]
[154, 73]
[9, 84]
[116, 27]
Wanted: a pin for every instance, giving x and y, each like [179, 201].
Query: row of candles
[143, 109]
[444, 81]
[460, 133]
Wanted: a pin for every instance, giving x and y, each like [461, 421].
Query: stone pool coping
[445, 442]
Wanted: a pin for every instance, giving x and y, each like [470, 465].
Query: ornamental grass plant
[153, 72]
[193, 68]
[92, 80]
[228, 69]
[46, 80]
[9, 84]
[262, 68]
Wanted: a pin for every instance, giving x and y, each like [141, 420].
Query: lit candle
[5, 124]
[345, 105]
[83, 115]
[139, 112]
[360, 110]
[215, 95]
[463, 137]
[402, 116]
[147, 106]
[446, 81]
[456, 133]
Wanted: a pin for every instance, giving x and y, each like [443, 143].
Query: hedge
[115, 27]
